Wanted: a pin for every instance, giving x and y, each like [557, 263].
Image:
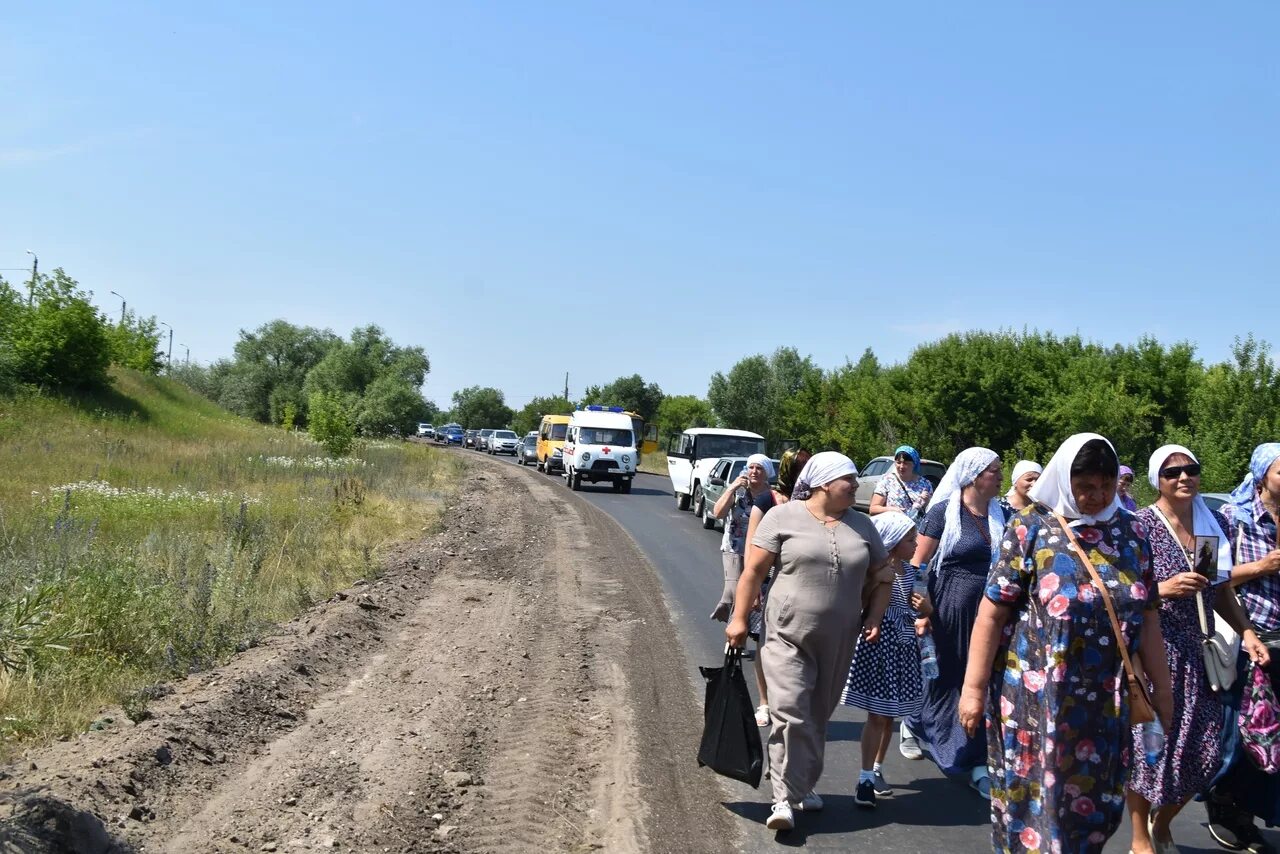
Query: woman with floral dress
[904, 489]
[1191, 754]
[1053, 686]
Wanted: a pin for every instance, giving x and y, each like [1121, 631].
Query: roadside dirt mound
[511, 684]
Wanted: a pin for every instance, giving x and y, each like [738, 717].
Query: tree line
[52, 337]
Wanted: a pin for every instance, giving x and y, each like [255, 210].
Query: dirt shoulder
[510, 684]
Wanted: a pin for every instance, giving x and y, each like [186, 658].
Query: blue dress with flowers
[1057, 712]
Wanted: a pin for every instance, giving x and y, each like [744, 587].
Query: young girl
[884, 678]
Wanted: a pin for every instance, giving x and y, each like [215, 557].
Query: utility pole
[566, 385]
[35, 272]
[123, 304]
[188, 349]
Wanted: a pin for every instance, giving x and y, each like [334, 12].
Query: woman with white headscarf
[960, 535]
[1053, 687]
[1018, 498]
[1241, 791]
[1178, 524]
[831, 569]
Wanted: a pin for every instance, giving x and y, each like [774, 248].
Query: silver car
[502, 442]
[527, 452]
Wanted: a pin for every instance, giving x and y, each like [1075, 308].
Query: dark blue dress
[956, 586]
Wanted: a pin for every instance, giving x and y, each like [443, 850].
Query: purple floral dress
[1057, 711]
[1192, 753]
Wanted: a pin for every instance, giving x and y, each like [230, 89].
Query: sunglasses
[1175, 472]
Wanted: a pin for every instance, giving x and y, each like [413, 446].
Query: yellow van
[550, 442]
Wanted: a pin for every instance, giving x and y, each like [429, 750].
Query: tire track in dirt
[480, 696]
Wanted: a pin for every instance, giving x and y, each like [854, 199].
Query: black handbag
[730, 737]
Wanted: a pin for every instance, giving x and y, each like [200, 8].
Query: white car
[502, 442]
[691, 457]
[600, 444]
[426, 431]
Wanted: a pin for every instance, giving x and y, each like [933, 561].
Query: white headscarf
[1202, 521]
[821, 469]
[892, 527]
[966, 467]
[1053, 489]
[1019, 470]
[764, 462]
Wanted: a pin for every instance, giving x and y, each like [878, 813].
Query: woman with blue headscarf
[903, 489]
[1241, 791]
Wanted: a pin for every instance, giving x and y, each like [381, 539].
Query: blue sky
[528, 189]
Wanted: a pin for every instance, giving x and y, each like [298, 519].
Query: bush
[332, 424]
[58, 341]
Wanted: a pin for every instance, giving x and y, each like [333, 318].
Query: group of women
[1038, 604]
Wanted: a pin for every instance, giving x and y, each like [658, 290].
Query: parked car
[482, 439]
[527, 452]
[426, 431]
[870, 475]
[502, 442]
[1215, 500]
[724, 472]
[470, 439]
[454, 435]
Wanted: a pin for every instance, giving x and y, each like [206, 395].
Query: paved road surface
[928, 812]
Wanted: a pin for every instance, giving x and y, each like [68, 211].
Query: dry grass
[654, 463]
[146, 533]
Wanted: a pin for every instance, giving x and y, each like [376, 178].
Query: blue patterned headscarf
[1242, 496]
[910, 452]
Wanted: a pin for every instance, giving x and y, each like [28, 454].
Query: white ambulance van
[600, 445]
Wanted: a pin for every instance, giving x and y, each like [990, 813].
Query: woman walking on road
[1240, 792]
[735, 503]
[1018, 498]
[961, 535]
[1053, 687]
[829, 559]
[884, 678]
[904, 489]
[1191, 754]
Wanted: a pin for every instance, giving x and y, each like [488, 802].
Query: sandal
[762, 715]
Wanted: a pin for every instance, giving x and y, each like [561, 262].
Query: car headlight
[585, 456]
[626, 458]
[557, 453]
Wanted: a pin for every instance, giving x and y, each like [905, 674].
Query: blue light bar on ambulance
[597, 408]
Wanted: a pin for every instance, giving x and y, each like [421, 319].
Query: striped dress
[884, 678]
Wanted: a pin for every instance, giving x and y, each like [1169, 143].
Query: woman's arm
[1227, 605]
[730, 494]
[1246, 572]
[875, 597]
[983, 644]
[878, 505]
[926, 548]
[756, 567]
[1156, 666]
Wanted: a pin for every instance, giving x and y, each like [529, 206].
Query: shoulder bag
[1219, 650]
[1141, 710]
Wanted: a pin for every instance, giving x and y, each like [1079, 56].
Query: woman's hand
[872, 632]
[922, 626]
[920, 602]
[736, 632]
[1183, 585]
[971, 711]
[1271, 563]
[1254, 648]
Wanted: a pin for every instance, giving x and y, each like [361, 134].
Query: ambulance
[600, 446]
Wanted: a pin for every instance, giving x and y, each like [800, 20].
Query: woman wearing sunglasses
[1241, 791]
[1180, 525]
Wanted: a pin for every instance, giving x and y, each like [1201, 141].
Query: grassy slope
[146, 532]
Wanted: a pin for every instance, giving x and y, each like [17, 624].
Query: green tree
[135, 343]
[60, 340]
[679, 412]
[752, 395]
[477, 408]
[631, 393]
[269, 369]
[380, 380]
[530, 416]
[333, 424]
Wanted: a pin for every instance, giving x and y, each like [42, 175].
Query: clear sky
[525, 189]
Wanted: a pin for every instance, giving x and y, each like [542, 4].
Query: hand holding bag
[730, 737]
[1141, 711]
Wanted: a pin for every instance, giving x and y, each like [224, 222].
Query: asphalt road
[928, 811]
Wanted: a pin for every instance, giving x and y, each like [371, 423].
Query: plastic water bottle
[928, 658]
[1152, 741]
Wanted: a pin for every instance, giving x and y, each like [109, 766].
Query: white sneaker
[781, 817]
[811, 802]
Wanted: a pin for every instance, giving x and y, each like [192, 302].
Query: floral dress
[911, 498]
[1057, 712]
[1192, 753]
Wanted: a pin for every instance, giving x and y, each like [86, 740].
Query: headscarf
[963, 471]
[910, 452]
[1124, 470]
[1242, 496]
[764, 462]
[821, 469]
[787, 471]
[892, 527]
[1019, 470]
[1202, 522]
[1053, 489]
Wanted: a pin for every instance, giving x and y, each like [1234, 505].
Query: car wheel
[708, 521]
[575, 481]
[699, 504]
[626, 487]
[682, 501]
[617, 486]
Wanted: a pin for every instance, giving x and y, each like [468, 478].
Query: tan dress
[812, 622]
